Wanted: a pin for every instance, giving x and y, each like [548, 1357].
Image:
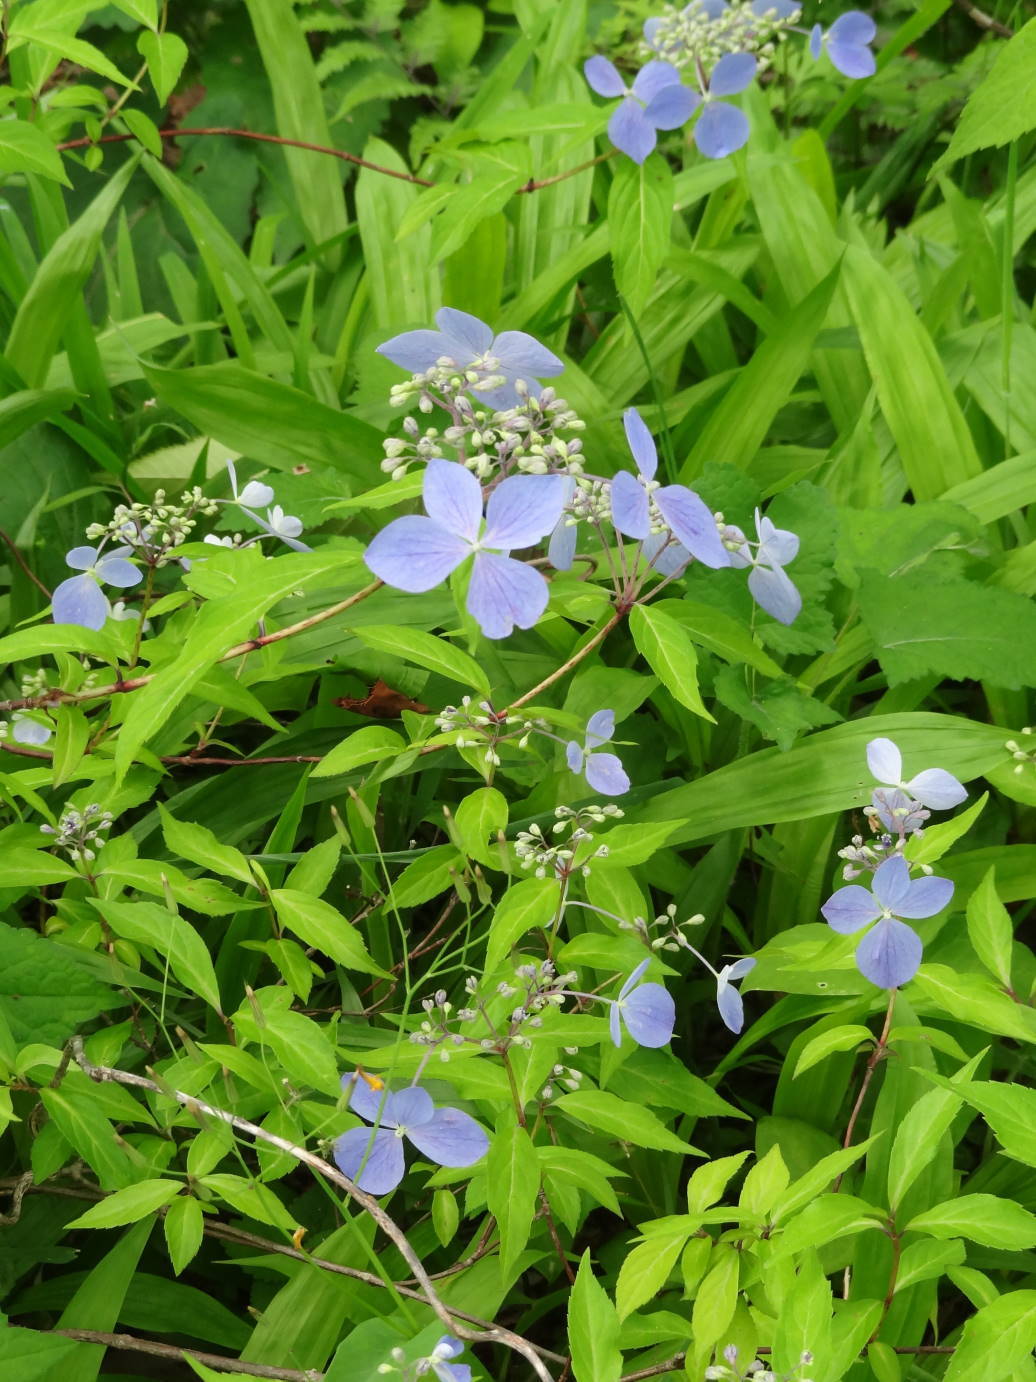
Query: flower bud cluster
[700, 34]
[567, 1076]
[671, 935]
[479, 726]
[537, 852]
[77, 831]
[152, 529]
[1023, 757]
[729, 1371]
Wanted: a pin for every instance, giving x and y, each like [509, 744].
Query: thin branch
[533, 185]
[132, 1344]
[23, 563]
[983, 20]
[577, 657]
[868, 1074]
[496, 1334]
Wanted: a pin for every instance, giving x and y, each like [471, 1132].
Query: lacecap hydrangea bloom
[647, 1011]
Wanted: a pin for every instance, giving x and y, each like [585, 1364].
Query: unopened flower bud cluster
[1023, 756]
[152, 529]
[671, 935]
[537, 852]
[77, 831]
[690, 35]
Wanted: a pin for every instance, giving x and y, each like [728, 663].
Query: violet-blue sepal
[80, 599]
[890, 953]
[728, 1000]
[768, 583]
[848, 43]
[603, 771]
[647, 1011]
[721, 129]
[657, 100]
[934, 787]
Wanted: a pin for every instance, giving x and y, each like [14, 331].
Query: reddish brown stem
[868, 1074]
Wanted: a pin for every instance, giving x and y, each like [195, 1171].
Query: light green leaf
[716, 1300]
[32, 868]
[176, 940]
[933, 842]
[825, 1219]
[646, 1269]
[845, 1038]
[619, 1118]
[184, 1227]
[529, 904]
[990, 928]
[252, 1199]
[1010, 1110]
[63, 46]
[987, 1219]
[428, 876]
[368, 745]
[24, 148]
[1003, 106]
[426, 650]
[765, 1183]
[640, 214]
[198, 844]
[593, 1329]
[667, 648]
[996, 1341]
[319, 924]
[128, 1205]
[478, 820]
[512, 1188]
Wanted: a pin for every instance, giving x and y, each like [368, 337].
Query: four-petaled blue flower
[603, 771]
[721, 128]
[373, 1159]
[646, 1010]
[687, 517]
[890, 953]
[728, 1000]
[771, 588]
[80, 599]
[416, 553]
[935, 787]
[470, 344]
[438, 1362]
[657, 100]
[847, 43]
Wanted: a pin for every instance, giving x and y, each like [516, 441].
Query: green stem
[1007, 290]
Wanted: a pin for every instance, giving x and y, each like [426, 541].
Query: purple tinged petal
[692, 524]
[731, 1008]
[80, 600]
[81, 558]
[885, 761]
[890, 955]
[368, 1103]
[414, 554]
[600, 728]
[852, 59]
[651, 28]
[937, 789]
[614, 1029]
[574, 756]
[664, 555]
[452, 1372]
[453, 498]
[641, 443]
[891, 882]
[849, 909]
[450, 1137]
[633, 979]
[732, 74]
[603, 77]
[117, 571]
[631, 509]
[773, 590]
[523, 509]
[408, 1108]
[671, 107]
[415, 351]
[777, 546]
[504, 592]
[561, 550]
[816, 41]
[783, 9]
[255, 493]
[721, 130]
[739, 969]
[652, 78]
[650, 1015]
[740, 556]
[380, 1155]
[523, 357]
[464, 330]
[925, 897]
[853, 27]
[606, 775]
[631, 132]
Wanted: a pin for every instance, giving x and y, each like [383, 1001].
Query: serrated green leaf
[128, 1205]
[184, 1227]
[319, 924]
[593, 1329]
[24, 148]
[512, 1186]
[530, 904]
[640, 214]
[1003, 106]
[176, 940]
[198, 844]
[668, 650]
[988, 1219]
[363, 746]
[426, 650]
[990, 928]
[621, 1119]
[846, 1038]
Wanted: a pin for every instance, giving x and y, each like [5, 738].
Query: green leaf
[252, 1199]
[403, 283]
[32, 1356]
[24, 148]
[24, 409]
[816, 1180]
[75, 1109]
[478, 820]
[44, 994]
[427, 876]
[976, 1000]
[32, 868]
[512, 1189]
[198, 844]
[498, 173]
[646, 1269]
[987, 1219]
[128, 1205]
[716, 1301]
[640, 214]
[368, 745]
[176, 940]
[319, 924]
[98, 1301]
[990, 928]
[144, 11]
[145, 131]
[593, 1329]
[996, 1341]
[63, 46]
[528, 905]
[619, 1118]
[824, 1220]
[846, 1038]
[184, 1226]
[667, 648]
[1003, 106]
[166, 55]
[932, 843]
[765, 1183]
[720, 634]
[780, 710]
[426, 650]
[804, 1319]
[708, 1182]
[1010, 1110]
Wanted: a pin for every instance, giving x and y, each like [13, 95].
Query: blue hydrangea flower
[935, 787]
[28, 731]
[647, 1011]
[771, 588]
[657, 100]
[890, 952]
[604, 772]
[470, 344]
[416, 553]
[728, 1000]
[447, 1136]
[438, 1362]
[80, 599]
[847, 43]
[687, 517]
[255, 494]
[721, 128]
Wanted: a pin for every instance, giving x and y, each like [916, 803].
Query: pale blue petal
[258, 495]
[414, 351]
[925, 897]
[631, 132]
[890, 955]
[80, 600]
[773, 590]
[409, 1107]
[652, 78]
[641, 443]
[631, 510]
[521, 356]
[450, 1137]
[816, 41]
[739, 969]
[885, 761]
[599, 728]
[452, 1372]
[118, 571]
[27, 731]
[633, 979]
[505, 396]
[605, 774]
[891, 882]
[379, 1153]
[650, 1015]
[732, 74]
[603, 77]
[614, 1029]
[561, 550]
[721, 130]
[731, 1007]
[937, 789]
[740, 556]
[466, 332]
[367, 1102]
[453, 498]
[852, 59]
[781, 9]
[671, 107]
[692, 524]
[651, 28]
[574, 756]
[504, 592]
[414, 554]
[523, 509]
[664, 555]
[777, 546]
[852, 27]
[849, 909]
[81, 558]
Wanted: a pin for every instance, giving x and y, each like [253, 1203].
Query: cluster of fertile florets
[153, 529]
[664, 932]
[78, 831]
[702, 33]
[1024, 757]
[537, 987]
[477, 725]
[557, 857]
